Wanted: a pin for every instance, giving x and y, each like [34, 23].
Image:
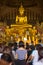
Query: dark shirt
[29, 53]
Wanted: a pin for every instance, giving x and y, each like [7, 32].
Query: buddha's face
[21, 12]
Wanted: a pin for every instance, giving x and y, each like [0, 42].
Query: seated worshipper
[21, 54]
[40, 61]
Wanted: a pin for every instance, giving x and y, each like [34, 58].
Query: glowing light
[25, 39]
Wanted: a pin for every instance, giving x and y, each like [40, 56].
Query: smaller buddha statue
[21, 19]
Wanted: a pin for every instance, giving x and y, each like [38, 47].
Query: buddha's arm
[17, 19]
[25, 19]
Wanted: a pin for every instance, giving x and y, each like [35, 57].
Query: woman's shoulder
[35, 51]
[21, 49]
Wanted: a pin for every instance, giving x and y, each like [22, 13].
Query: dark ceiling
[26, 3]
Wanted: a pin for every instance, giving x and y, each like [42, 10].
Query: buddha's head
[21, 10]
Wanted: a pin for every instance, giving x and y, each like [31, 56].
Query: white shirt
[13, 52]
[35, 55]
[1, 55]
[39, 63]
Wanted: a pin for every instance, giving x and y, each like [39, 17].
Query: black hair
[40, 52]
[6, 57]
[32, 47]
[6, 47]
[27, 45]
[37, 46]
[21, 44]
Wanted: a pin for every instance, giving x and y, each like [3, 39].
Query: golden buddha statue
[21, 19]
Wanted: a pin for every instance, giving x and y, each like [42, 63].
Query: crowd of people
[14, 54]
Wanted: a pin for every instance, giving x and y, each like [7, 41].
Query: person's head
[32, 47]
[21, 44]
[7, 50]
[12, 46]
[40, 52]
[15, 44]
[6, 57]
[37, 46]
